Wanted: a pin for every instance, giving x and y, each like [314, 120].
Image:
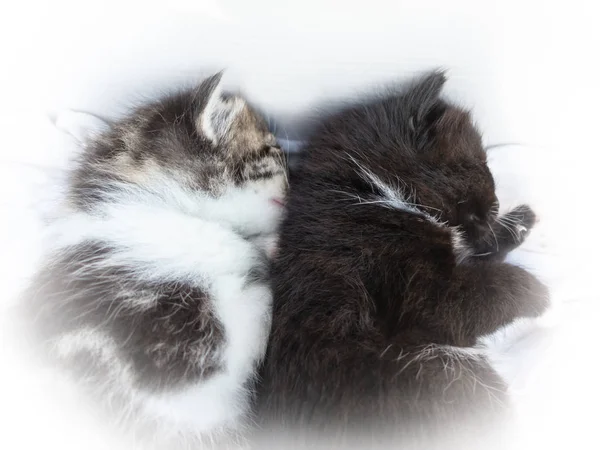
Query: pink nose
[278, 202]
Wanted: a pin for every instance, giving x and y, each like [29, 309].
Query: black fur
[366, 296]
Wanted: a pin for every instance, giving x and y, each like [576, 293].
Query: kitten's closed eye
[264, 151]
[477, 218]
[482, 219]
[267, 150]
[476, 212]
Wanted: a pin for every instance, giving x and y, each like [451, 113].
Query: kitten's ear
[425, 94]
[425, 105]
[217, 113]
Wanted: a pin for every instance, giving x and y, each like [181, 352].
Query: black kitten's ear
[425, 94]
[216, 113]
[425, 105]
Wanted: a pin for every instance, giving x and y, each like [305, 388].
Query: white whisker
[495, 238]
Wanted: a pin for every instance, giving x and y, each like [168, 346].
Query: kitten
[389, 269]
[154, 292]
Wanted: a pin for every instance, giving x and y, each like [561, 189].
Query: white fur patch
[160, 244]
[433, 351]
[393, 196]
[171, 233]
[247, 210]
[460, 247]
[221, 401]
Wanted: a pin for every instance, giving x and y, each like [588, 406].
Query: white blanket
[526, 81]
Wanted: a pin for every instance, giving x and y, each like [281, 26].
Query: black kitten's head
[415, 149]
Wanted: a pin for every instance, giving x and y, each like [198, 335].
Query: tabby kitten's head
[200, 151]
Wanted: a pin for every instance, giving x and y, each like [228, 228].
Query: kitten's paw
[521, 219]
[509, 232]
[536, 297]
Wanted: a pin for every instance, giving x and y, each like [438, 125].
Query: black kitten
[389, 269]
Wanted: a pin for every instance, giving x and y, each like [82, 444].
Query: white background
[527, 69]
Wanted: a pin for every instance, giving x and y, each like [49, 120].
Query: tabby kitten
[389, 269]
[153, 293]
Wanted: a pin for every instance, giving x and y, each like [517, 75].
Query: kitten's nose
[278, 201]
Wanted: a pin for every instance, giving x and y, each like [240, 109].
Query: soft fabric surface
[523, 68]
